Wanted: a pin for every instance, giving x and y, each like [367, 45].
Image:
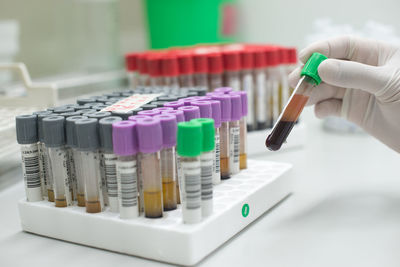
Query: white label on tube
[248, 87]
[206, 175]
[191, 185]
[110, 171]
[127, 183]
[261, 97]
[234, 145]
[217, 161]
[42, 168]
[30, 165]
[67, 182]
[132, 102]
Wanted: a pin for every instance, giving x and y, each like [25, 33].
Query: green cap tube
[208, 128]
[310, 69]
[190, 139]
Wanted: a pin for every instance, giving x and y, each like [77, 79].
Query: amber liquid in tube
[169, 193]
[290, 114]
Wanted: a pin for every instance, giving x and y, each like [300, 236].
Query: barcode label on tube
[217, 162]
[192, 184]
[206, 178]
[234, 144]
[30, 165]
[110, 171]
[127, 183]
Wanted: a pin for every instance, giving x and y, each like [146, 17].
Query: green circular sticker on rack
[245, 210]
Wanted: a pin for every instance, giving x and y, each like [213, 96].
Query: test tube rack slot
[238, 201]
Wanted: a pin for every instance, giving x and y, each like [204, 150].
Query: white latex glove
[361, 83]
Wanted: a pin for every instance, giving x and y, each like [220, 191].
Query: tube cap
[200, 63]
[82, 101]
[99, 115]
[151, 113]
[208, 129]
[105, 132]
[27, 129]
[243, 96]
[292, 55]
[154, 66]
[236, 107]
[130, 61]
[69, 114]
[168, 126]
[185, 62]
[163, 109]
[167, 98]
[190, 112]
[310, 69]
[259, 58]
[224, 90]
[190, 139]
[149, 135]
[138, 117]
[53, 130]
[204, 106]
[148, 107]
[169, 66]
[177, 113]
[70, 130]
[215, 64]
[247, 59]
[271, 56]
[86, 133]
[60, 110]
[124, 136]
[40, 116]
[174, 104]
[231, 60]
[225, 101]
[216, 112]
[201, 91]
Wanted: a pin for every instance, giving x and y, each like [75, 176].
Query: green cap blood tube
[27, 137]
[88, 146]
[125, 147]
[109, 160]
[190, 145]
[78, 165]
[168, 160]
[297, 101]
[54, 138]
[150, 143]
[206, 163]
[42, 150]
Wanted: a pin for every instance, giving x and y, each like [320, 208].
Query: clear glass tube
[261, 98]
[190, 186]
[103, 178]
[225, 150]
[217, 159]
[127, 187]
[234, 145]
[156, 81]
[31, 172]
[284, 91]
[201, 79]
[42, 169]
[243, 144]
[49, 172]
[132, 79]
[215, 81]
[80, 182]
[233, 80]
[58, 161]
[248, 87]
[143, 80]
[186, 80]
[152, 185]
[72, 173]
[91, 174]
[290, 114]
[110, 173]
[168, 174]
[172, 83]
[206, 165]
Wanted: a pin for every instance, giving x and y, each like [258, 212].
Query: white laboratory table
[345, 211]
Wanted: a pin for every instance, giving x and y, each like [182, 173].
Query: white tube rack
[237, 202]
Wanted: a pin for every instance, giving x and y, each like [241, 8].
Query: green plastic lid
[190, 139]
[208, 133]
[310, 69]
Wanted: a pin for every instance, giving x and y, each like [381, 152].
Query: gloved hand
[361, 83]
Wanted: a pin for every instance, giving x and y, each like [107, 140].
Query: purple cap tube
[243, 96]
[124, 138]
[174, 104]
[236, 107]
[225, 101]
[177, 113]
[163, 109]
[151, 112]
[216, 112]
[190, 112]
[169, 128]
[149, 135]
[188, 100]
[224, 90]
[138, 117]
[205, 108]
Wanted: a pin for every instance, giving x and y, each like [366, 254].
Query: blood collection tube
[54, 138]
[170, 72]
[42, 150]
[243, 130]
[247, 60]
[225, 102]
[204, 107]
[150, 143]
[190, 137]
[88, 145]
[125, 147]
[154, 69]
[144, 79]
[78, 165]
[297, 101]
[168, 160]
[232, 66]
[190, 112]
[174, 104]
[185, 64]
[216, 116]
[234, 133]
[150, 113]
[291, 62]
[109, 160]
[131, 69]
[261, 89]
[206, 164]
[27, 137]
[273, 81]
[200, 70]
[215, 70]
